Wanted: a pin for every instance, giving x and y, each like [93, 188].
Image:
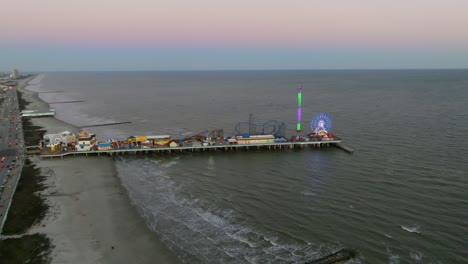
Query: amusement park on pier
[247, 135]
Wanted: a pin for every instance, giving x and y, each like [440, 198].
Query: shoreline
[26, 207]
[91, 218]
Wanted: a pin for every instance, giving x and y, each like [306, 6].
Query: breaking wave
[204, 232]
[411, 229]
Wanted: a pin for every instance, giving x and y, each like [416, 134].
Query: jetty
[106, 124]
[338, 257]
[50, 91]
[66, 102]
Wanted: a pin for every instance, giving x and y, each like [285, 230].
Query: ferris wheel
[321, 122]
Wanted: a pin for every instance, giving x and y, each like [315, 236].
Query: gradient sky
[51, 35]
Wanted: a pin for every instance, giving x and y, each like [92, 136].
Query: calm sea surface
[402, 197]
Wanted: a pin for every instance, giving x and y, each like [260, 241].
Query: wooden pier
[344, 147]
[221, 147]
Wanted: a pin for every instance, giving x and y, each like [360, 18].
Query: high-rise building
[14, 73]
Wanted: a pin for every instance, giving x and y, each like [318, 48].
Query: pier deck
[224, 147]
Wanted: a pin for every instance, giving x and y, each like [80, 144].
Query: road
[12, 150]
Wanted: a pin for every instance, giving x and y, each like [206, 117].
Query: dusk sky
[56, 35]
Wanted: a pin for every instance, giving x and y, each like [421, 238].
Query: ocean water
[400, 198]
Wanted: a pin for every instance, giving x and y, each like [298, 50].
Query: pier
[38, 113]
[344, 147]
[185, 149]
[247, 136]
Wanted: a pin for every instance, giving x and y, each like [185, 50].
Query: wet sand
[91, 219]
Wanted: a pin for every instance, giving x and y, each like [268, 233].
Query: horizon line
[226, 70]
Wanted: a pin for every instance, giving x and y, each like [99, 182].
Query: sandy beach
[91, 219]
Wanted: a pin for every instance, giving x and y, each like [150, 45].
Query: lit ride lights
[299, 103]
[321, 123]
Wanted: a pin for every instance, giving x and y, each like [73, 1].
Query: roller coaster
[271, 127]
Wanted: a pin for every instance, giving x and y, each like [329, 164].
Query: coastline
[91, 218]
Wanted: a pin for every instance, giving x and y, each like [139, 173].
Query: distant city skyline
[53, 35]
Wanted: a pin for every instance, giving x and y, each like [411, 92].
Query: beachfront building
[86, 142]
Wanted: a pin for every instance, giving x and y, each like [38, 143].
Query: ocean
[400, 198]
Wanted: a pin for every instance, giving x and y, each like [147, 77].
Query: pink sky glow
[242, 23]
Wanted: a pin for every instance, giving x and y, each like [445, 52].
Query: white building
[86, 142]
[14, 74]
